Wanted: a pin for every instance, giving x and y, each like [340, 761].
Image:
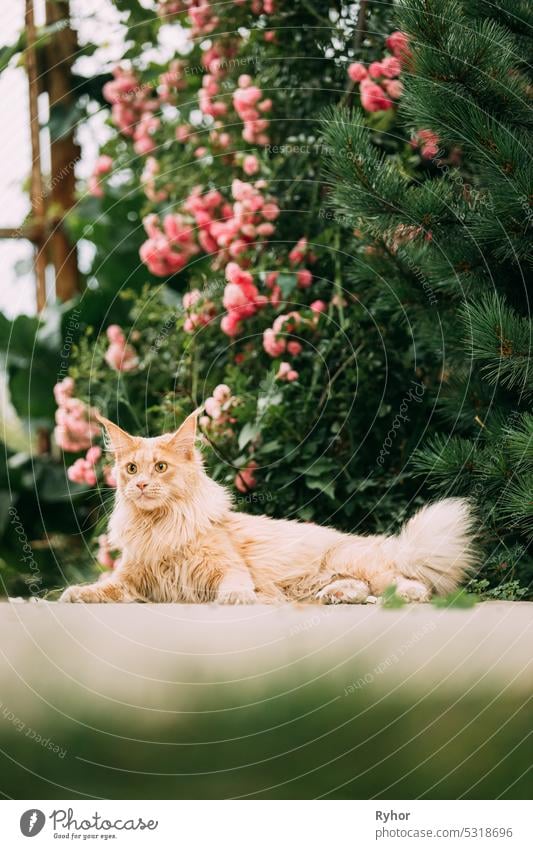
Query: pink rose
[373, 98]
[235, 274]
[265, 229]
[245, 478]
[375, 69]
[191, 298]
[272, 345]
[304, 278]
[250, 165]
[114, 333]
[394, 88]
[230, 324]
[298, 252]
[246, 97]
[391, 67]
[221, 393]
[93, 454]
[270, 211]
[103, 165]
[212, 408]
[357, 72]
[398, 44]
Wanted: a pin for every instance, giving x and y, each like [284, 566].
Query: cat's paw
[412, 590]
[236, 595]
[344, 591]
[80, 595]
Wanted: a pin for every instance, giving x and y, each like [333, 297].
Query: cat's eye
[131, 468]
[161, 467]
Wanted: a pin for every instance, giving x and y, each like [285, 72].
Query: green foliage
[453, 244]
[391, 600]
[460, 599]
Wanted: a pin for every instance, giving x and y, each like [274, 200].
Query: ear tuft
[184, 439]
[116, 439]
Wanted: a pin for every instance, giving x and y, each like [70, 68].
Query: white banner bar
[268, 824]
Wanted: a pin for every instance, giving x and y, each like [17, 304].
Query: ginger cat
[181, 541]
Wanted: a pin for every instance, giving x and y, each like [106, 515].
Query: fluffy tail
[436, 546]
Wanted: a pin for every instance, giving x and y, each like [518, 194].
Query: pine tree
[454, 247]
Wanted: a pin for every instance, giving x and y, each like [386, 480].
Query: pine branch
[499, 339]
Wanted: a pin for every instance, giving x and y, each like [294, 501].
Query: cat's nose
[142, 486]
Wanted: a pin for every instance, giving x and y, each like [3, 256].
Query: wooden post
[38, 200]
[60, 53]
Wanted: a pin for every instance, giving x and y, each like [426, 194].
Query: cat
[181, 541]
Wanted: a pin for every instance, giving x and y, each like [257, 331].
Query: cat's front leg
[103, 592]
[236, 587]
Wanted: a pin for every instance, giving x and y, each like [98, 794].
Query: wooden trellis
[49, 68]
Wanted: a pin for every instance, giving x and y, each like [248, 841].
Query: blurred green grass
[354, 747]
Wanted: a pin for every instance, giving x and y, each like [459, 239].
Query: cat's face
[152, 472]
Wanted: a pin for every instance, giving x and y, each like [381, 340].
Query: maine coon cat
[181, 541]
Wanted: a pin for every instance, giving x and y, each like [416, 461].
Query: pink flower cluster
[201, 13]
[275, 342]
[241, 298]
[133, 105]
[202, 17]
[224, 229]
[298, 255]
[74, 430]
[102, 166]
[83, 470]
[167, 249]
[245, 479]
[379, 85]
[148, 181]
[209, 106]
[210, 211]
[120, 356]
[218, 407]
[251, 107]
[286, 372]
[428, 142]
[398, 44]
[219, 421]
[200, 310]
[104, 555]
[172, 80]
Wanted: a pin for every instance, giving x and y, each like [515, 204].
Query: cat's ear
[117, 440]
[184, 439]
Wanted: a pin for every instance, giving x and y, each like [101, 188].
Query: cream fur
[181, 541]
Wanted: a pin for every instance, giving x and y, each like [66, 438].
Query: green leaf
[64, 120]
[321, 466]
[6, 502]
[249, 432]
[460, 598]
[8, 51]
[287, 283]
[391, 599]
[327, 488]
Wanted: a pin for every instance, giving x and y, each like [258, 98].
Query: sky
[16, 294]
[97, 22]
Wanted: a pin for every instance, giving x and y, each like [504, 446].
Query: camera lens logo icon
[32, 822]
